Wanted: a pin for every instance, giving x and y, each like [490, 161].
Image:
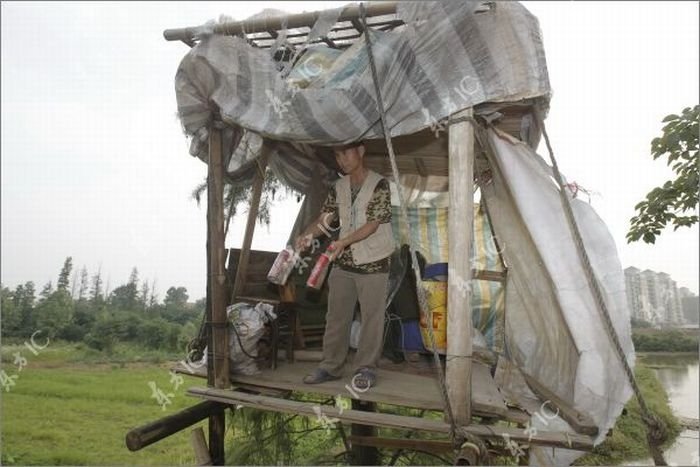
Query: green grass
[627, 442]
[78, 414]
[73, 406]
[61, 353]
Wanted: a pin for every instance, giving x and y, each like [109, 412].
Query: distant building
[670, 299]
[654, 297]
[690, 304]
[637, 298]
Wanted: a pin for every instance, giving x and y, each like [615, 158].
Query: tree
[64, 275]
[11, 316]
[83, 288]
[125, 297]
[237, 195]
[96, 291]
[24, 301]
[143, 295]
[74, 284]
[153, 299]
[53, 313]
[134, 278]
[46, 291]
[675, 202]
[176, 297]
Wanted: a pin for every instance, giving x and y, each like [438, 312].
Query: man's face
[350, 159]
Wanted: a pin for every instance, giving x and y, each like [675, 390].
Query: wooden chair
[256, 289]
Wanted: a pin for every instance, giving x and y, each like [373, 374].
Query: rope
[656, 430]
[456, 434]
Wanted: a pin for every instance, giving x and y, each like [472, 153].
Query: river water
[679, 375]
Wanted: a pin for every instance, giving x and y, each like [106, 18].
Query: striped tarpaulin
[428, 231]
[448, 56]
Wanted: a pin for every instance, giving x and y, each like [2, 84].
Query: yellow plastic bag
[436, 294]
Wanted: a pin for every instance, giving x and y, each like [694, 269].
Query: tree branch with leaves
[674, 203]
[234, 196]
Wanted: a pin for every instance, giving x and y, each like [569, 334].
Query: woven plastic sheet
[428, 232]
[448, 56]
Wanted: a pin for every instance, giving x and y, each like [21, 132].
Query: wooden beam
[459, 320]
[290, 21]
[145, 435]
[425, 445]
[218, 343]
[420, 167]
[242, 266]
[492, 276]
[580, 422]
[493, 432]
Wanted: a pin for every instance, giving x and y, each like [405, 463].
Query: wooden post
[363, 454]
[459, 322]
[201, 453]
[218, 342]
[242, 266]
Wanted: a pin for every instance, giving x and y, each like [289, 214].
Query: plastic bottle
[282, 267]
[318, 273]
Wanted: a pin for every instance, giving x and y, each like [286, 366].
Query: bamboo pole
[459, 323]
[145, 435]
[280, 22]
[243, 259]
[402, 422]
[218, 342]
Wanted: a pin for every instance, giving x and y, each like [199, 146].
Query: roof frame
[270, 27]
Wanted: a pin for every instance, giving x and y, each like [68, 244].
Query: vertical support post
[218, 342]
[364, 455]
[459, 320]
[242, 266]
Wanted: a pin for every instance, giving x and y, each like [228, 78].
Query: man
[361, 200]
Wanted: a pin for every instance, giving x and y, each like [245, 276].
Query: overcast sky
[95, 164]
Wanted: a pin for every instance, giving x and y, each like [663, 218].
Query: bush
[664, 340]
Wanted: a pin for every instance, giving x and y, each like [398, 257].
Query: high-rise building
[669, 299]
[636, 295]
[653, 297]
[690, 303]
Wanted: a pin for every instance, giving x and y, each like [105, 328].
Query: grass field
[73, 406]
[62, 411]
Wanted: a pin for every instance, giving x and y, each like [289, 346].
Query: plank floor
[393, 387]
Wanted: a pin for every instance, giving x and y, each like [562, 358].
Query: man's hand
[337, 248]
[302, 242]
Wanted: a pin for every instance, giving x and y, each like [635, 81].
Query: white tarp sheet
[554, 331]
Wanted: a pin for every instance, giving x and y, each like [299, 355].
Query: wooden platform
[393, 387]
[271, 390]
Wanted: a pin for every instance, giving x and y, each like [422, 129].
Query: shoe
[364, 379]
[319, 376]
